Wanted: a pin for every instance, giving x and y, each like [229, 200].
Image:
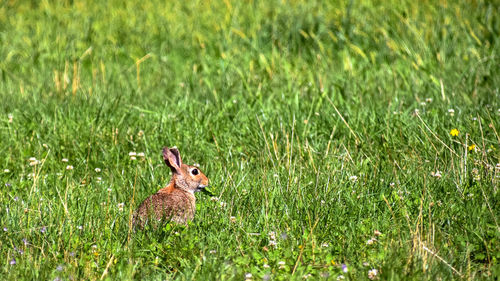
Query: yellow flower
[471, 147]
[454, 132]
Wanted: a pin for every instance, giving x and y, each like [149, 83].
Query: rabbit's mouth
[200, 187]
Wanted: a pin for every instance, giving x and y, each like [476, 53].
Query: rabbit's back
[177, 206]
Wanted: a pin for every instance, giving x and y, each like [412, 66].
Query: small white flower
[11, 117]
[340, 277]
[45, 145]
[281, 264]
[436, 174]
[323, 202]
[223, 204]
[132, 153]
[307, 276]
[273, 243]
[80, 227]
[377, 233]
[120, 206]
[372, 274]
[97, 170]
[353, 178]
[325, 245]
[392, 184]
[109, 190]
[214, 198]
[141, 154]
[213, 252]
[98, 179]
[69, 167]
[423, 104]
[266, 265]
[248, 276]
[371, 241]
[65, 160]
[428, 100]
[140, 133]
[6, 171]
[451, 111]
[232, 219]
[133, 158]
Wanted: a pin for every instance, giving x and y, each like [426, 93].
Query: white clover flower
[65, 160]
[69, 167]
[372, 274]
[371, 241]
[353, 178]
[451, 111]
[132, 153]
[436, 174]
[97, 170]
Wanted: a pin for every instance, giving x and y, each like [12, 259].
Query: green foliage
[324, 127]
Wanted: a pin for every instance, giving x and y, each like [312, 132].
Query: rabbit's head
[185, 177]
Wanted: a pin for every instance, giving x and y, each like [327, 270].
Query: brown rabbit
[176, 201]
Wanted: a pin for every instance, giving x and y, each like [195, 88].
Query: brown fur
[176, 201]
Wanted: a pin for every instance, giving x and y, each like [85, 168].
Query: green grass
[317, 122]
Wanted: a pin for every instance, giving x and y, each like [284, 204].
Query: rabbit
[176, 201]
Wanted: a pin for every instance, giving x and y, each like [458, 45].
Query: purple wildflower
[344, 268]
[43, 230]
[12, 261]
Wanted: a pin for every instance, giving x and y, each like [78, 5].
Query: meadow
[344, 140]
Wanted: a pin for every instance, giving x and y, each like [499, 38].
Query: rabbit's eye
[194, 172]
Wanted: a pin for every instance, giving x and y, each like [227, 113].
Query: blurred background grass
[320, 122]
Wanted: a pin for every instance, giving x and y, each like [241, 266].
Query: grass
[323, 126]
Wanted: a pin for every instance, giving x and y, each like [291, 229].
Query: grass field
[343, 139]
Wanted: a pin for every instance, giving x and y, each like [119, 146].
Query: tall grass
[324, 127]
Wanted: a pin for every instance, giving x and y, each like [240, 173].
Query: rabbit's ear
[172, 158]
